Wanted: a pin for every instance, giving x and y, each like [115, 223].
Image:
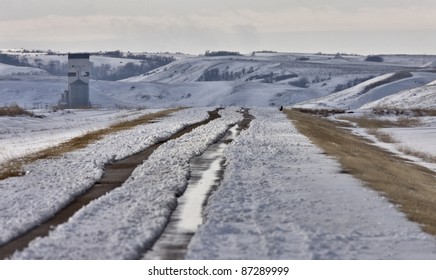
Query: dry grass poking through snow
[368, 122]
[411, 187]
[373, 126]
[427, 157]
[14, 110]
[14, 167]
[382, 136]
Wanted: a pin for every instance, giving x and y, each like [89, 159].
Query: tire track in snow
[115, 174]
[207, 171]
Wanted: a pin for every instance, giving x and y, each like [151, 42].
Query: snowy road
[122, 223]
[51, 184]
[281, 198]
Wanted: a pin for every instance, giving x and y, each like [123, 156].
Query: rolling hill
[257, 79]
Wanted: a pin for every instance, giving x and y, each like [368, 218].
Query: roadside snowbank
[51, 184]
[122, 223]
[282, 198]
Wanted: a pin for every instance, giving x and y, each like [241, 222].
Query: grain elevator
[79, 68]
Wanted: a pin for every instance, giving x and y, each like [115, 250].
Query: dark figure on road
[281, 108]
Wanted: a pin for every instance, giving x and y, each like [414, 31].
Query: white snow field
[263, 79]
[22, 135]
[282, 198]
[51, 184]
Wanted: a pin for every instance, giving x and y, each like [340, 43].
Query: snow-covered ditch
[51, 184]
[419, 138]
[122, 223]
[282, 198]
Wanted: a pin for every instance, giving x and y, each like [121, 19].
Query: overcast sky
[193, 26]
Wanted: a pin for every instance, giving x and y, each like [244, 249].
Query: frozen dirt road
[283, 198]
[114, 175]
[280, 197]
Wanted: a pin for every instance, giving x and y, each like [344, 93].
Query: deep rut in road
[207, 171]
[115, 174]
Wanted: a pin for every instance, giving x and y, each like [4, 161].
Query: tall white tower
[79, 68]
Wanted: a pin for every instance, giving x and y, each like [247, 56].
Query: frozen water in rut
[206, 172]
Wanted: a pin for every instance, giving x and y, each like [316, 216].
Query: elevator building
[79, 69]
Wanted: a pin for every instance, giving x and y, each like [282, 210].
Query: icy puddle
[206, 174]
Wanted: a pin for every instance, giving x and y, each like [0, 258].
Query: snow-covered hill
[10, 70]
[258, 79]
[373, 89]
[422, 97]
[279, 68]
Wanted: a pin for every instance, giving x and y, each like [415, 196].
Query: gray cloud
[194, 26]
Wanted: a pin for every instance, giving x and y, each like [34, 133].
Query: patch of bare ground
[14, 167]
[411, 187]
[417, 112]
[321, 112]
